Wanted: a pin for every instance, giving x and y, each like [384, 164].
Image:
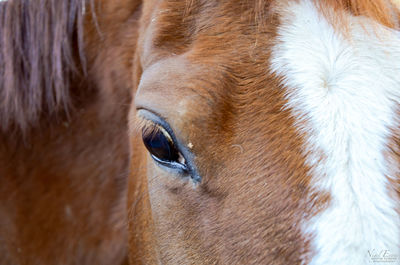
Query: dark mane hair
[40, 45]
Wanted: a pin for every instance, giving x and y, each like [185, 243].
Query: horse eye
[162, 148]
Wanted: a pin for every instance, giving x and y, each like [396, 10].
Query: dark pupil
[160, 147]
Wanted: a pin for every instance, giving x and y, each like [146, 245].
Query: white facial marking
[346, 91]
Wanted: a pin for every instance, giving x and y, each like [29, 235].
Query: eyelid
[146, 119]
[143, 124]
[149, 127]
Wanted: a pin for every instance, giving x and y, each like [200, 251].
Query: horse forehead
[181, 26]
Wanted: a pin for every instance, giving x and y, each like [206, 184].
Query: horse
[265, 132]
[65, 87]
[256, 132]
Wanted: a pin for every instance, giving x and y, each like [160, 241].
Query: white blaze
[347, 92]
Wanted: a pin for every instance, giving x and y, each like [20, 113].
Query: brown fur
[382, 11]
[63, 178]
[204, 67]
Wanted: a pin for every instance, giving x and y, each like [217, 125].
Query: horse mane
[40, 44]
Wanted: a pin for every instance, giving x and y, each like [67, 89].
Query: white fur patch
[346, 91]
